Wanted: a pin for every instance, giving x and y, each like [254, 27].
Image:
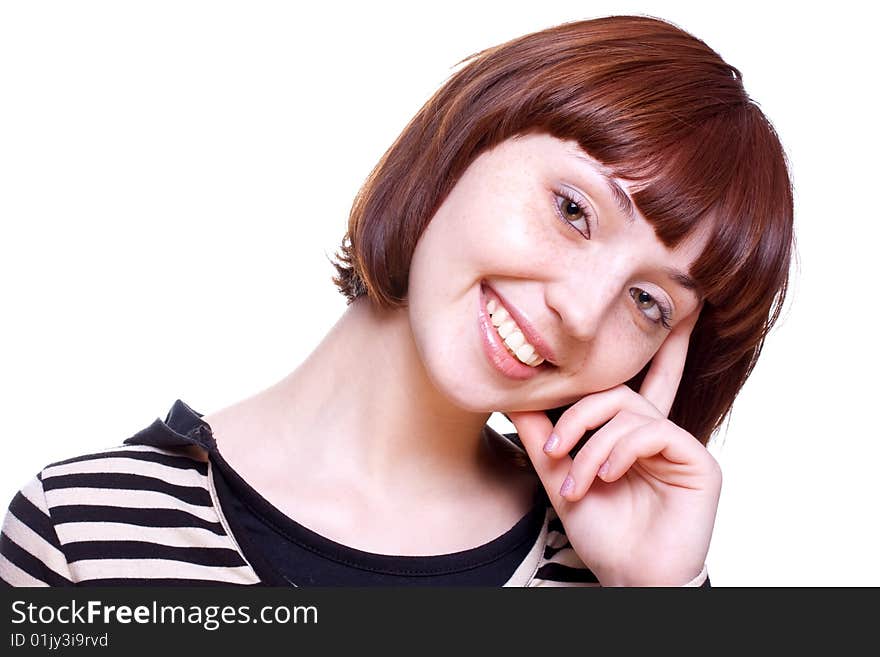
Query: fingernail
[551, 443]
[604, 469]
[567, 486]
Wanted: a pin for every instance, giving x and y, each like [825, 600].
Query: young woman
[588, 229]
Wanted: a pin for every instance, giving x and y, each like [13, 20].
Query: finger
[593, 411]
[661, 382]
[596, 451]
[679, 450]
[533, 428]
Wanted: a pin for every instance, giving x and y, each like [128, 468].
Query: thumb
[534, 428]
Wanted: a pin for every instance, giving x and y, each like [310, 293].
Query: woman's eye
[572, 214]
[652, 308]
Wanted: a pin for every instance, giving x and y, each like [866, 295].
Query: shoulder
[159, 467]
[128, 514]
[178, 472]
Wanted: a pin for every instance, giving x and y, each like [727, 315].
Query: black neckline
[182, 419]
[526, 529]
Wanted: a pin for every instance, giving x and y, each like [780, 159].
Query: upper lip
[529, 331]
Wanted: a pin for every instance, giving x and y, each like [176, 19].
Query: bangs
[716, 178]
[662, 110]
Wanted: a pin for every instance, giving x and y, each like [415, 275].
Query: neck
[363, 408]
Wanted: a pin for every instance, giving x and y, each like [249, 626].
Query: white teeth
[516, 340]
[499, 316]
[506, 328]
[513, 338]
[525, 352]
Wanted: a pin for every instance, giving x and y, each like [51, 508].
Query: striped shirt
[147, 512]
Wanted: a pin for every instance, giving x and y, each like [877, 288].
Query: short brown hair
[653, 104]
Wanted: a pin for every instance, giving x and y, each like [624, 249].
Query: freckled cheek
[507, 245]
[617, 361]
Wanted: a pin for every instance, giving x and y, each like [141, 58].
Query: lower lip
[498, 355]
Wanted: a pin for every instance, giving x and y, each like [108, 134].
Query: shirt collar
[182, 426]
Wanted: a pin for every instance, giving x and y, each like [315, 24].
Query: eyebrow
[625, 205]
[621, 198]
[685, 281]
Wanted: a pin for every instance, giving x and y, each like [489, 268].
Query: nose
[584, 298]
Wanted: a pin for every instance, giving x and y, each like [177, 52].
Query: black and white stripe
[129, 515]
[147, 515]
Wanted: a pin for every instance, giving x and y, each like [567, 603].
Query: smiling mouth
[514, 330]
[508, 356]
[511, 335]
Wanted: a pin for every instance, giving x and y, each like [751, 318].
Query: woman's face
[534, 223]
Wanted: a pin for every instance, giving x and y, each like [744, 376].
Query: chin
[462, 387]
[471, 398]
[469, 405]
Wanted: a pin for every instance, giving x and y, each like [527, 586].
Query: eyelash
[665, 311]
[570, 198]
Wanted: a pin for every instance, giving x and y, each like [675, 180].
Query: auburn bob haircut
[656, 106]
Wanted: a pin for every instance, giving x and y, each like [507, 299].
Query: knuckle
[623, 392]
[715, 467]
[661, 424]
[668, 426]
[629, 416]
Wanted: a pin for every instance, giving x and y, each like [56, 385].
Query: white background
[175, 175]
